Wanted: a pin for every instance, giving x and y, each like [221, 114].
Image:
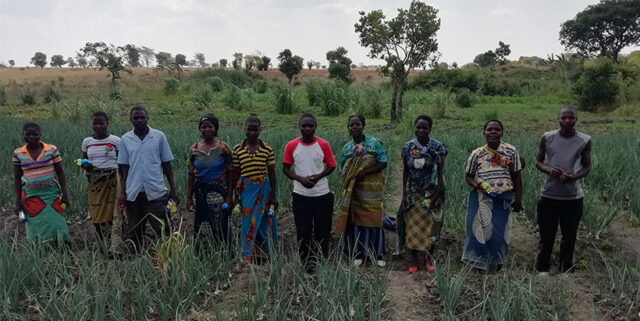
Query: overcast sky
[309, 28]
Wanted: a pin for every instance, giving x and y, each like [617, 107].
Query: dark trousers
[141, 211]
[312, 216]
[552, 213]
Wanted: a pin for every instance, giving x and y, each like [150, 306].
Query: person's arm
[124, 173]
[167, 170]
[471, 181]
[405, 181]
[440, 183]
[271, 169]
[378, 167]
[305, 181]
[541, 166]
[17, 187]
[585, 160]
[57, 167]
[84, 155]
[326, 172]
[517, 190]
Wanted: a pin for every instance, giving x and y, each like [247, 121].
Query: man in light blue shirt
[144, 159]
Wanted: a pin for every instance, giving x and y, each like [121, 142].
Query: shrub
[171, 86]
[232, 97]
[441, 99]
[335, 97]
[313, 89]
[374, 98]
[216, 83]
[247, 98]
[3, 95]
[238, 78]
[203, 96]
[464, 98]
[596, 87]
[340, 71]
[285, 99]
[261, 86]
[28, 96]
[446, 78]
[51, 93]
[115, 93]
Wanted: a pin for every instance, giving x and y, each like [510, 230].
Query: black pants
[142, 210]
[312, 216]
[567, 214]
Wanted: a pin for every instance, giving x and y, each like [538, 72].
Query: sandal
[428, 265]
[413, 269]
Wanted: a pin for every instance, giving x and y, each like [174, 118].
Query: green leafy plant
[28, 96]
[171, 86]
[51, 93]
[285, 99]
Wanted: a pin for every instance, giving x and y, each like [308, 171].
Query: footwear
[381, 263]
[396, 253]
[357, 262]
[429, 267]
[543, 274]
[413, 269]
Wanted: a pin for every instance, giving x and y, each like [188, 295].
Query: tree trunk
[396, 99]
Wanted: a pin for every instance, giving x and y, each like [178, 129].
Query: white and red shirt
[307, 160]
[103, 153]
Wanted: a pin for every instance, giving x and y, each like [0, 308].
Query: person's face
[355, 127]
[307, 127]
[493, 132]
[139, 119]
[99, 125]
[207, 130]
[252, 131]
[422, 129]
[31, 136]
[567, 119]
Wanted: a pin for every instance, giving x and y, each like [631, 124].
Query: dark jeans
[312, 216]
[551, 213]
[142, 210]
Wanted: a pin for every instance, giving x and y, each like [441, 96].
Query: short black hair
[30, 125]
[493, 121]
[568, 107]
[100, 113]
[253, 118]
[210, 118]
[137, 108]
[425, 118]
[307, 116]
[360, 117]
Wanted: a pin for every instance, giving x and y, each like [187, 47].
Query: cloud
[502, 12]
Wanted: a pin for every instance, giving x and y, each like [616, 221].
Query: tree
[82, 61]
[200, 59]
[39, 59]
[318, 64]
[107, 57]
[310, 64]
[485, 59]
[181, 60]
[338, 56]
[454, 65]
[163, 58]
[604, 28]
[264, 63]
[147, 55]
[237, 61]
[133, 55]
[250, 61]
[290, 65]
[57, 61]
[404, 42]
[71, 62]
[12, 62]
[223, 63]
[502, 52]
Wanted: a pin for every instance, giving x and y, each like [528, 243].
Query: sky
[309, 28]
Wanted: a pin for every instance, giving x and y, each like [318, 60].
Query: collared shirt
[145, 158]
[37, 170]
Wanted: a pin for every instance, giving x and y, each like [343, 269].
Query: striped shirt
[40, 169]
[253, 165]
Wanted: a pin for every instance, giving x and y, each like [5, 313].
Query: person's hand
[174, 197]
[122, 201]
[18, 208]
[307, 182]
[314, 178]
[65, 200]
[567, 177]
[556, 172]
[190, 205]
[274, 202]
[517, 206]
[405, 202]
[358, 150]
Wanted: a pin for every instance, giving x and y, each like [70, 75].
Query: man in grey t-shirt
[565, 156]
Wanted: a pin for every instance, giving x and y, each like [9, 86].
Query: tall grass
[28, 96]
[3, 95]
[284, 99]
[51, 93]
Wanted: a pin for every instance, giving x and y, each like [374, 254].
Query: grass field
[81, 284]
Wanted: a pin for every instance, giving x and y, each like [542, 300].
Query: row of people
[220, 176]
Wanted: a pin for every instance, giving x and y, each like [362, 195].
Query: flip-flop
[429, 267]
[413, 269]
